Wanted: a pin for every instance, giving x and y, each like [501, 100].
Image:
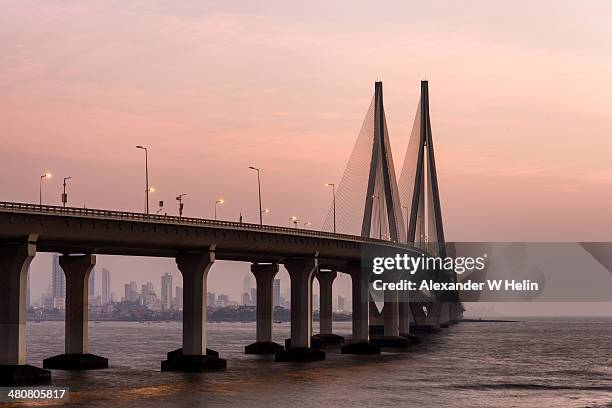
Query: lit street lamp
[293, 220]
[64, 195]
[333, 186]
[220, 201]
[259, 194]
[44, 176]
[307, 224]
[146, 177]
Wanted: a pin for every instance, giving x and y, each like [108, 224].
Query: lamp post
[333, 186]
[220, 201]
[379, 217]
[64, 195]
[259, 193]
[307, 224]
[44, 176]
[179, 198]
[146, 177]
[293, 220]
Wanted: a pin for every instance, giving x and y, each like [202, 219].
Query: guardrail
[132, 216]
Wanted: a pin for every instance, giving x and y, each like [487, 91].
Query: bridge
[370, 210]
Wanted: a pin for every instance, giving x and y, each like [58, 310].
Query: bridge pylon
[419, 183]
[418, 186]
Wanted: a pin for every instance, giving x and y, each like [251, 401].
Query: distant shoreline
[488, 321]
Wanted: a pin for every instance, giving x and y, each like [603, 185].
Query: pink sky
[519, 102]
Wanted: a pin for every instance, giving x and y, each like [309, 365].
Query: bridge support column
[404, 313]
[77, 270]
[14, 263]
[391, 314]
[391, 317]
[361, 312]
[445, 311]
[301, 272]
[456, 312]
[405, 317]
[194, 356]
[264, 276]
[326, 338]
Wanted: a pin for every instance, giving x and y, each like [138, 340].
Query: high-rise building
[131, 292]
[315, 302]
[253, 296]
[179, 298]
[341, 303]
[106, 286]
[91, 285]
[166, 291]
[148, 294]
[58, 280]
[276, 290]
[211, 299]
[246, 299]
[246, 284]
[222, 300]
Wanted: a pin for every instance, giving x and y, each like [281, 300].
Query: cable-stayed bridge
[368, 213]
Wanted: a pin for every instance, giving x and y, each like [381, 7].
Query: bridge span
[80, 234]
[371, 204]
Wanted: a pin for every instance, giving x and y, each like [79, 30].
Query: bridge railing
[134, 216]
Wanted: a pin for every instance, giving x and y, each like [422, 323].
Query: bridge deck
[84, 230]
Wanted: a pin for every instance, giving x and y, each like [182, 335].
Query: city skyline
[148, 295]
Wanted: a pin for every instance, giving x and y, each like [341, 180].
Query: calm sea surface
[536, 363]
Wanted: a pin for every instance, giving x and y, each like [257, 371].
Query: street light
[259, 194]
[293, 220]
[146, 177]
[333, 186]
[220, 201]
[379, 217]
[179, 198]
[307, 224]
[44, 176]
[64, 195]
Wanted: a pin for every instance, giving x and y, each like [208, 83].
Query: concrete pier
[301, 272]
[264, 277]
[391, 314]
[445, 314]
[456, 312]
[405, 317]
[194, 356]
[76, 269]
[361, 312]
[391, 338]
[326, 338]
[15, 260]
[404, 313]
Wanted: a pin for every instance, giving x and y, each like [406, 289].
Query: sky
[518, 94]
